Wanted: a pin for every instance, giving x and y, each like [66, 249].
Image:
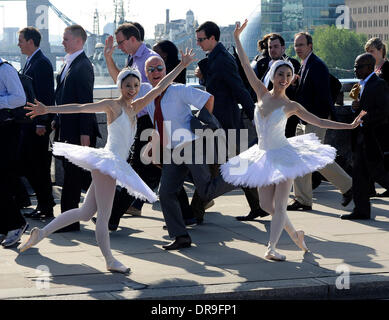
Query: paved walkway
[225, 262]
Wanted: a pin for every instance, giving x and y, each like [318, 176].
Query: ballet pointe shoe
[117, 267]
[299, 240]
[271, 254]
[35, 237]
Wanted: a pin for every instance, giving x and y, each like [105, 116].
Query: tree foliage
[338, 48]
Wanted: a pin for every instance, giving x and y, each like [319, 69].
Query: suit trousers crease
[363, 173]
[332, 172]
[11, 217]
[172, 180]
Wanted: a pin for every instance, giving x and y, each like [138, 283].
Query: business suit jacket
[41, 71]
[313, 92]
[222, 80]
[374, 100]
[76, 87]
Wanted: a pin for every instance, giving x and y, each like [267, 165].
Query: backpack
[19, 114]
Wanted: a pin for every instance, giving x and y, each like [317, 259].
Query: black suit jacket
[222, 80]
[375, 101]
[41, 71]
[313, 92]
[76, 87]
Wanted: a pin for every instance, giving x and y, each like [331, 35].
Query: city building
[370, 17]
[288, 17]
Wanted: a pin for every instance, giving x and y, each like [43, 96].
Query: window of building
[364, 10]
[386, 8]
[386, 37]
[380, 9]
[359, 24]
[380, 23]
[359, 10]
[375, 9]
[370, 23]
[375, 23]
[365, 24]
[386, 23]
[370, 10]
[354, 10]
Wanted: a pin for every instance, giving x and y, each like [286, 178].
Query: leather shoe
[297, 206]
[354, 216]
[253, 215]
[347, 197]
[179, 243]
[383, 195]
[39, 214]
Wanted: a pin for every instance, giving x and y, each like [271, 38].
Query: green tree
[338, 48]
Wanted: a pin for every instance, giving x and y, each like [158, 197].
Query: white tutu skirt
[258, 168]
[107, 163]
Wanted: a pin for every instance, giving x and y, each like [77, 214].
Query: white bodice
[271, 129]
[121, 133]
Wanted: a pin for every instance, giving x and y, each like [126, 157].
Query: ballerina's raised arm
[255, 83]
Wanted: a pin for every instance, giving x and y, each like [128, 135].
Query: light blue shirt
[11, 90]
[176, 110]
[139, 61]
[363, 83]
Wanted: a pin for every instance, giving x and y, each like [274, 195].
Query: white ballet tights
[99, 198]
[274, 200]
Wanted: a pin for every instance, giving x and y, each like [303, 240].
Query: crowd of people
[288, 101]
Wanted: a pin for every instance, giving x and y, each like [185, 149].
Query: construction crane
[96, 23]
[119, 12]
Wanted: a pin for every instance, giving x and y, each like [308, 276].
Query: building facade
[288, 17]
[370, 17]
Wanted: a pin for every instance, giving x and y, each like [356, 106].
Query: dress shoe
[253, 215]
[2, 237]
[354, 216]
[39, 214]
[347, 197]
[179, 243]
[383, 195]
[14, 236]
[297, 206]
[71, 228]
[111, 227]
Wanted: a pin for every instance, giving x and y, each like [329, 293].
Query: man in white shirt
[175, 107]
[12, 223]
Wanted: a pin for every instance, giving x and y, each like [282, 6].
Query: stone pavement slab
[225, 262]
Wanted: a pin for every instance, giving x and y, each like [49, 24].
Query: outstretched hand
[358, 120]
[109, 48]
[239, 29]
[37, 109]
[188, 57]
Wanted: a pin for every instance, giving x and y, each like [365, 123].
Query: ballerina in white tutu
[108, 166]
[275, 161]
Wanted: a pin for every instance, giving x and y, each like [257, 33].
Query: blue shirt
[139, 59]
[177, 113]
[11, 90]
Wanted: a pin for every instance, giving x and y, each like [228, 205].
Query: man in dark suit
[75, 85]
[313, 93]
[368, 157]
[222, 80]
[35, 155]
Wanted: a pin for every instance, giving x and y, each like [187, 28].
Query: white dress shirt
[69, 58]
[11, 90]
[177, 112]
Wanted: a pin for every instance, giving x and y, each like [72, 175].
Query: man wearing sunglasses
[221, 79]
